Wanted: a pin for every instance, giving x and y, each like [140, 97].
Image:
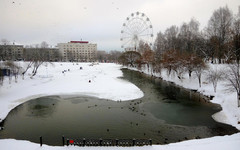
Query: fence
[104, 142]
[107, 142]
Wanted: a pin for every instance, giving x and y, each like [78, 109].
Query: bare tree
[114, 55]
[176, 61]
[148, 57]
[229, 55]
[44, 44]
[219, 28]
[102, 56]
[55, 55]
[233, 77]
[179, 67]
[199, 67]
[168, 60]
[171, 35]
[190, 36]
[160, 45]
[40, 57]
[29, 65]
[131, 57]
[236, 36]
[185, 38]
[189, 63]
[214, 76]
[123, 60]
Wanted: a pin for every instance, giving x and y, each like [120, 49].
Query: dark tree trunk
[219, 60]
[238, 97]
[199, 80]
[190, 73]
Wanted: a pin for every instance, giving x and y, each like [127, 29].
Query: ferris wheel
[137, 27]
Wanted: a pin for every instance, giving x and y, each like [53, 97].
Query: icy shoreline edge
[105, 78]
[221, 116]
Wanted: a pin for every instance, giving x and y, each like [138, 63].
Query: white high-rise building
[78, 51]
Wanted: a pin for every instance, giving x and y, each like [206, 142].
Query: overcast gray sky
[98, 21]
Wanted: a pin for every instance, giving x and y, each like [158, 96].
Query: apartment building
[11, 52]
[81, 51]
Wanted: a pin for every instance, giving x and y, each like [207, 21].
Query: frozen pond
[165, 114]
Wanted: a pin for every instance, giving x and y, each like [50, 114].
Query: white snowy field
[105, 84]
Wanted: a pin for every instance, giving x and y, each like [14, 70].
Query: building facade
[11, 52]
[81, 51]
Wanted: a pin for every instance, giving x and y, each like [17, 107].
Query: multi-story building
[78, 51]
[11, 52]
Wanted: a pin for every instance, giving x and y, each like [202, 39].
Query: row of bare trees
[111, 56]
[218, 42]
[175, 62]
[179, 63]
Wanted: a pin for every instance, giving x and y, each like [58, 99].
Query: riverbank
[104, 84]
[230, 113]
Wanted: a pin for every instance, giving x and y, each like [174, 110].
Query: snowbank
[50, 80]
[220, 143]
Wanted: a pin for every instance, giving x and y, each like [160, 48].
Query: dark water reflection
[165, 114]
[42, 107]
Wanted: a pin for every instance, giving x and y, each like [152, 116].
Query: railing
[104, 142]
[108, 142]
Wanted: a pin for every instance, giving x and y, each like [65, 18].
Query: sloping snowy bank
[50, 80]
[219, 143]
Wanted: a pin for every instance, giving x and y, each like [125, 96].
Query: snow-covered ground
[105, 84]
